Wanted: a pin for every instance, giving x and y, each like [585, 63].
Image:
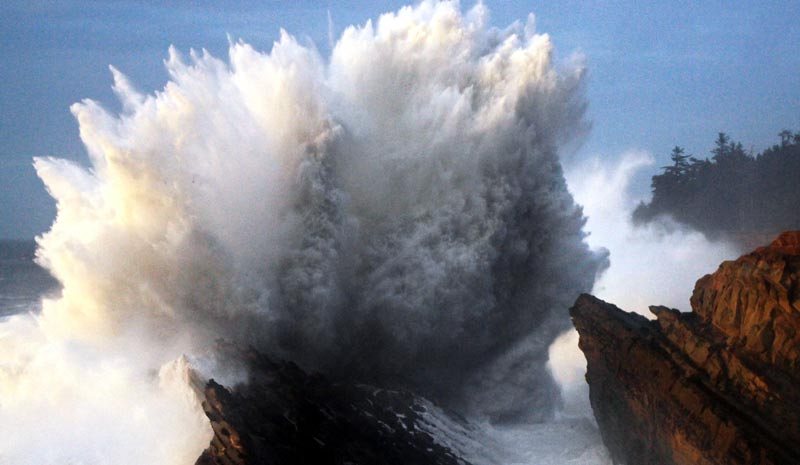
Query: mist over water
[395, 213]
[655, 264]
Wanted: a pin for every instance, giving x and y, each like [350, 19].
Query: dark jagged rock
[719, 385]
[284, 416]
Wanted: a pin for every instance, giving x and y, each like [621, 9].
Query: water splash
[395, 213]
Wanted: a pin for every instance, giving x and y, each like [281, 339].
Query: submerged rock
[285, 416]
[719, 385]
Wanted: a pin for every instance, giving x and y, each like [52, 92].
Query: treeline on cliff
[734, 195]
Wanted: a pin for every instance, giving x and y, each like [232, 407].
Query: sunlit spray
[394, 213]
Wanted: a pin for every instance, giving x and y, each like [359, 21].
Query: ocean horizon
[23, 282]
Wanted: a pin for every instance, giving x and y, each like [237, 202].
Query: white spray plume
[396, 214]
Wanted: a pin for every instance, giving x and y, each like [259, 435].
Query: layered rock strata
[718, 385]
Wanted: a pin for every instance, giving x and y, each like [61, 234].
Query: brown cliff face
[719, 385]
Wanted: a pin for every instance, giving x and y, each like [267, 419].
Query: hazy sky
[661, 73]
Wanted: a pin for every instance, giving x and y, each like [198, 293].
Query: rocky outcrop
[284, 416]
[719, 385]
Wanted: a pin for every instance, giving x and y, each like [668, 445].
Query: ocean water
[574, 441]
[22, 281]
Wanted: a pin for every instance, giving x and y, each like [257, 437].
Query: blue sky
[661, 73]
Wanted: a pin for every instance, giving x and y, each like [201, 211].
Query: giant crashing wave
[394, 214]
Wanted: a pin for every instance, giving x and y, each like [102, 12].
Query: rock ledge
[719, 385]
[285, 416]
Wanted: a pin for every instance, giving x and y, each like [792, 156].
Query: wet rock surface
[286, 416]
[718, 385]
